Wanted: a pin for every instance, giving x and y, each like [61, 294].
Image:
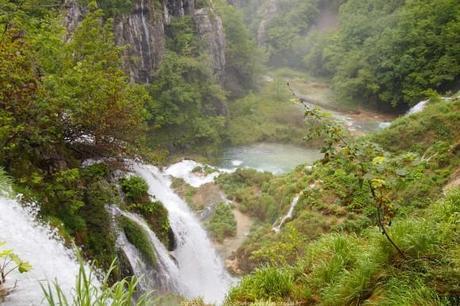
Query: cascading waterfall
[295, 200]
[201, 271]
[37, 244]
[163, 278]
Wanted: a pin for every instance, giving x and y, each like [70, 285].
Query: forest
[230, 152]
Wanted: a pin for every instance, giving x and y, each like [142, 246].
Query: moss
[139, 238]
[156, 216]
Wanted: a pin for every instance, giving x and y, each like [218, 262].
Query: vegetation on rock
[155, 214]
[222, 223]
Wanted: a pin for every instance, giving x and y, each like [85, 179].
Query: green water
[272, 157]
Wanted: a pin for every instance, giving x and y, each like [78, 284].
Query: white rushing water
[184, 170]
[418, 107]
[201, 271]
[37, 244]
[288, 216]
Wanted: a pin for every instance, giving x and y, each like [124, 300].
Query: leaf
[24, 266]
[377, 183]
[378, 160]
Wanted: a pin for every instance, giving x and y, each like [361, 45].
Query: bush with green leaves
[222, 223]
[135, 189]
[138, 200]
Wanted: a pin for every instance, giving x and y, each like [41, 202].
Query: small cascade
[417, 107]
[38, 244]
[201, 271]
[139, 267]
[163, 278]
[295, 200]
[184, 170]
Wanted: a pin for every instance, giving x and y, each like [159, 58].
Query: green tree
[187, 104]
[390, 53]
[101, 107]
[242, 57]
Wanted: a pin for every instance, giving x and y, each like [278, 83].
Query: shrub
[135, 189]
[268, 283]
[222, 223]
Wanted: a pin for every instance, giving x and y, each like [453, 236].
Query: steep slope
[143, 30]
[331, 252]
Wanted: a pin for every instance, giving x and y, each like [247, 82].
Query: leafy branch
[375, 173]
[10, 262]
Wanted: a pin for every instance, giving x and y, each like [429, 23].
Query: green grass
[437, 124]
[89, 291]
[341, 269]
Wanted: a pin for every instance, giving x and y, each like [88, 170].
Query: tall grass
[89, 291]
[350, 269]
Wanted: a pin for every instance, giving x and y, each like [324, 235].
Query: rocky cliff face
[211, 31]
[74, 14]
[268, 11]
[142, 30]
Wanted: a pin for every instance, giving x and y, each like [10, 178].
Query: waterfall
[37, 244]
[295, 200]
[184, 170]
[165, 277]
[417, 107]
[201, 271]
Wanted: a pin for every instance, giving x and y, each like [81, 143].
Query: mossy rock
[139, 238]
[124, 268]
[156, 216]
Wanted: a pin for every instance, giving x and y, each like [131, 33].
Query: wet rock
[142, 31]
[210, 29]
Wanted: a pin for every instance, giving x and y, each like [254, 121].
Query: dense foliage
[390, 52]
[384, 53]
[242, 57]
[222, 223]
[60, 103]
[188, 104]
